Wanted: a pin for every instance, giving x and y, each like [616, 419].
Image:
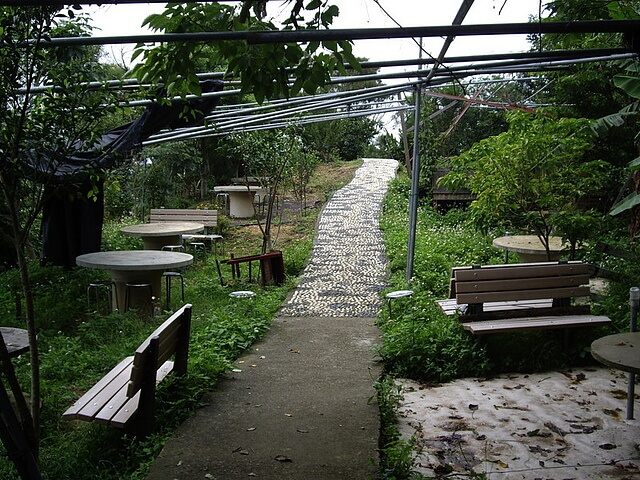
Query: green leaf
[634, 164]
[628, 83]
[602, 125]
[625, 204]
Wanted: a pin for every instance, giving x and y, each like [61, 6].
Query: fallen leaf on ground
[608, 446]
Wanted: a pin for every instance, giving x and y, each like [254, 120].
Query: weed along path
[297, 405]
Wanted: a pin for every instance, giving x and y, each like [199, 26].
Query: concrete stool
[173, 248]
[214, 244]
[109, 288]
[242, 294]
[397, 294]
[131, 287]
[197, 247]
[168, 277]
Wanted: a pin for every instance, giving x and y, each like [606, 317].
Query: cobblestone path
[347, 269]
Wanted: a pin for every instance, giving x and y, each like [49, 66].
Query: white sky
[126, 19]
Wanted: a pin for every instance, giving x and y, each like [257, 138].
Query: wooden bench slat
[117, 382]
[533, 323]
[520, 270]
[533, 283]
[108, 381]
[209, 218]
[168, 336]
[121, 408]
[186, 211]
[450, 306]
[523, 295]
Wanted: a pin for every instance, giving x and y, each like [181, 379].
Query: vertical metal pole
[634, 302]
[415, 180]
[506, 252]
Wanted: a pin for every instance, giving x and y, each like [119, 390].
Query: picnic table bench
[208, 218]
[524, 296]
[125, 397]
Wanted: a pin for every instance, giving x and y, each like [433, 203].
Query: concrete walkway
[299, 404]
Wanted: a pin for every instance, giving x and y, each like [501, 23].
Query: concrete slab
[551, 425]
[298, 406]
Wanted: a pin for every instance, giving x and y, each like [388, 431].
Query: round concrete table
[620, 351]
[157, 235]
[16, 340]
[240, 199]
[144, 266]
[529, 247]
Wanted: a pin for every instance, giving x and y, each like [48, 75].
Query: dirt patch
[294, 218]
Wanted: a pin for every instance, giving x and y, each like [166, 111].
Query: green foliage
[523, 177]
[629, 82]
[396, 455]
[301, 169]
[263, 69]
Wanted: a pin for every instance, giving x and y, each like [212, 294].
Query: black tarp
[71, 221]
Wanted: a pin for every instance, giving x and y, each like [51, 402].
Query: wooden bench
[125, 397]
[271, 267]
[525, 296]
[209, 218]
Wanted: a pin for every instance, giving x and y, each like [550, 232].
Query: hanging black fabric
[72, 219]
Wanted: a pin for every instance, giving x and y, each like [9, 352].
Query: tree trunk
[31, 425]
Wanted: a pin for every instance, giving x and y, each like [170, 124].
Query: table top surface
[237, 188]
[161, 229]
[527, 244]
[621, 351]
[16, 340]
[135, 260]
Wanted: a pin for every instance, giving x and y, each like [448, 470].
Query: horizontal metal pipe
[293, 36]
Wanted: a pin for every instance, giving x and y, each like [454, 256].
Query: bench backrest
[209, 218]
[171, 339]
[560, 281]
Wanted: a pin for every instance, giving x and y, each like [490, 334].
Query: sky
[126, 19]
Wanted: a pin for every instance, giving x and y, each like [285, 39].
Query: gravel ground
[347, 269]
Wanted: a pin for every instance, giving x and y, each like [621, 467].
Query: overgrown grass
[77, 348]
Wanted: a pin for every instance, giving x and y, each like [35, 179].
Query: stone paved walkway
[348, 265]
[298, 404]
